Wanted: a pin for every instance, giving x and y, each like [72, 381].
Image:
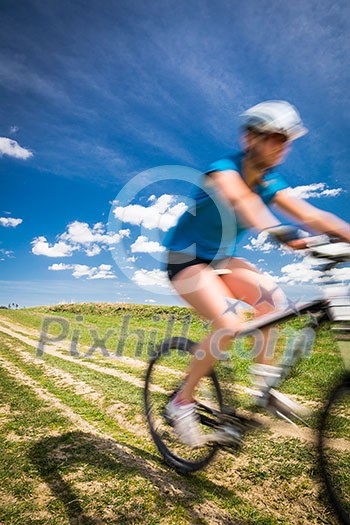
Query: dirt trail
[114, 409]
[278, 428]
[18, 329]
[167, 481]
[53, 350]
[264, 498]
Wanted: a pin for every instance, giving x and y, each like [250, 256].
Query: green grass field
[75, 448]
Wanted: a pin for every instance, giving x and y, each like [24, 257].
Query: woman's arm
[311, 217]
[247, 204]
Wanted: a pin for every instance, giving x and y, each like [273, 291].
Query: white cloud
[306, 272]
[59, 249]
[11, 148]
[260, 243]
[5, 254]
[162, 214]
[151, 278]
[150, 301]
[104, 271]
[80, 233]
[79, 236]
[299, 272]
[60, 266]
[99, 227]
[94, 250]
[315, 190]
[13, 130]
[144, 245]
[10, 222]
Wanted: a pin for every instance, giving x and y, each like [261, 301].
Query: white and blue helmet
[274, 116]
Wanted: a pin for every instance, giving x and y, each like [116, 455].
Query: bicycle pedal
[226, 436]
[229, 436]
[280, 415]
[167, 418]
[228, 411]
[286, 409]
[243, 423]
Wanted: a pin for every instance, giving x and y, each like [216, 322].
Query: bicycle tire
[339, 501]
[162, 373]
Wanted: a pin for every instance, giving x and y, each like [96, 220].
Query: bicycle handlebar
[337, 251]
[319, 246]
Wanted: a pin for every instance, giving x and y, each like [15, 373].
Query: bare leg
[258, 290]
[206, 292]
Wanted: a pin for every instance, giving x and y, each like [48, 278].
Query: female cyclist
[236, 194]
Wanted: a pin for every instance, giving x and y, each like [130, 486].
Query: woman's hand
[298, 244]
[295, 238]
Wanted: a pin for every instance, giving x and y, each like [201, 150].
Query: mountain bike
[223, 425]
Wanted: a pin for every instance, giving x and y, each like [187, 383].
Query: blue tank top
[209, 228]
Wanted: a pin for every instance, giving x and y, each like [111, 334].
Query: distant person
[236, 195]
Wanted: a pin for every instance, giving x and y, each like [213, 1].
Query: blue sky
[97, 94]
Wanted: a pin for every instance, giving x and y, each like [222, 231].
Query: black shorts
[178, 261]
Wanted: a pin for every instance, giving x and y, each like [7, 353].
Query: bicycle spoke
[168, 371]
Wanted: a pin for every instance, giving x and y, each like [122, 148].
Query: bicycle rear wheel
[334, 448]
[166, 372]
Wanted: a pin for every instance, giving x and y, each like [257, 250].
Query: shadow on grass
[55, 458]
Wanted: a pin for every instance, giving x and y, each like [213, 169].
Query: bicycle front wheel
[334, 448]
[166, 372]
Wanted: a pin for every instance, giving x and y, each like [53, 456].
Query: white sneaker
[265, 377]
[186, 423]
